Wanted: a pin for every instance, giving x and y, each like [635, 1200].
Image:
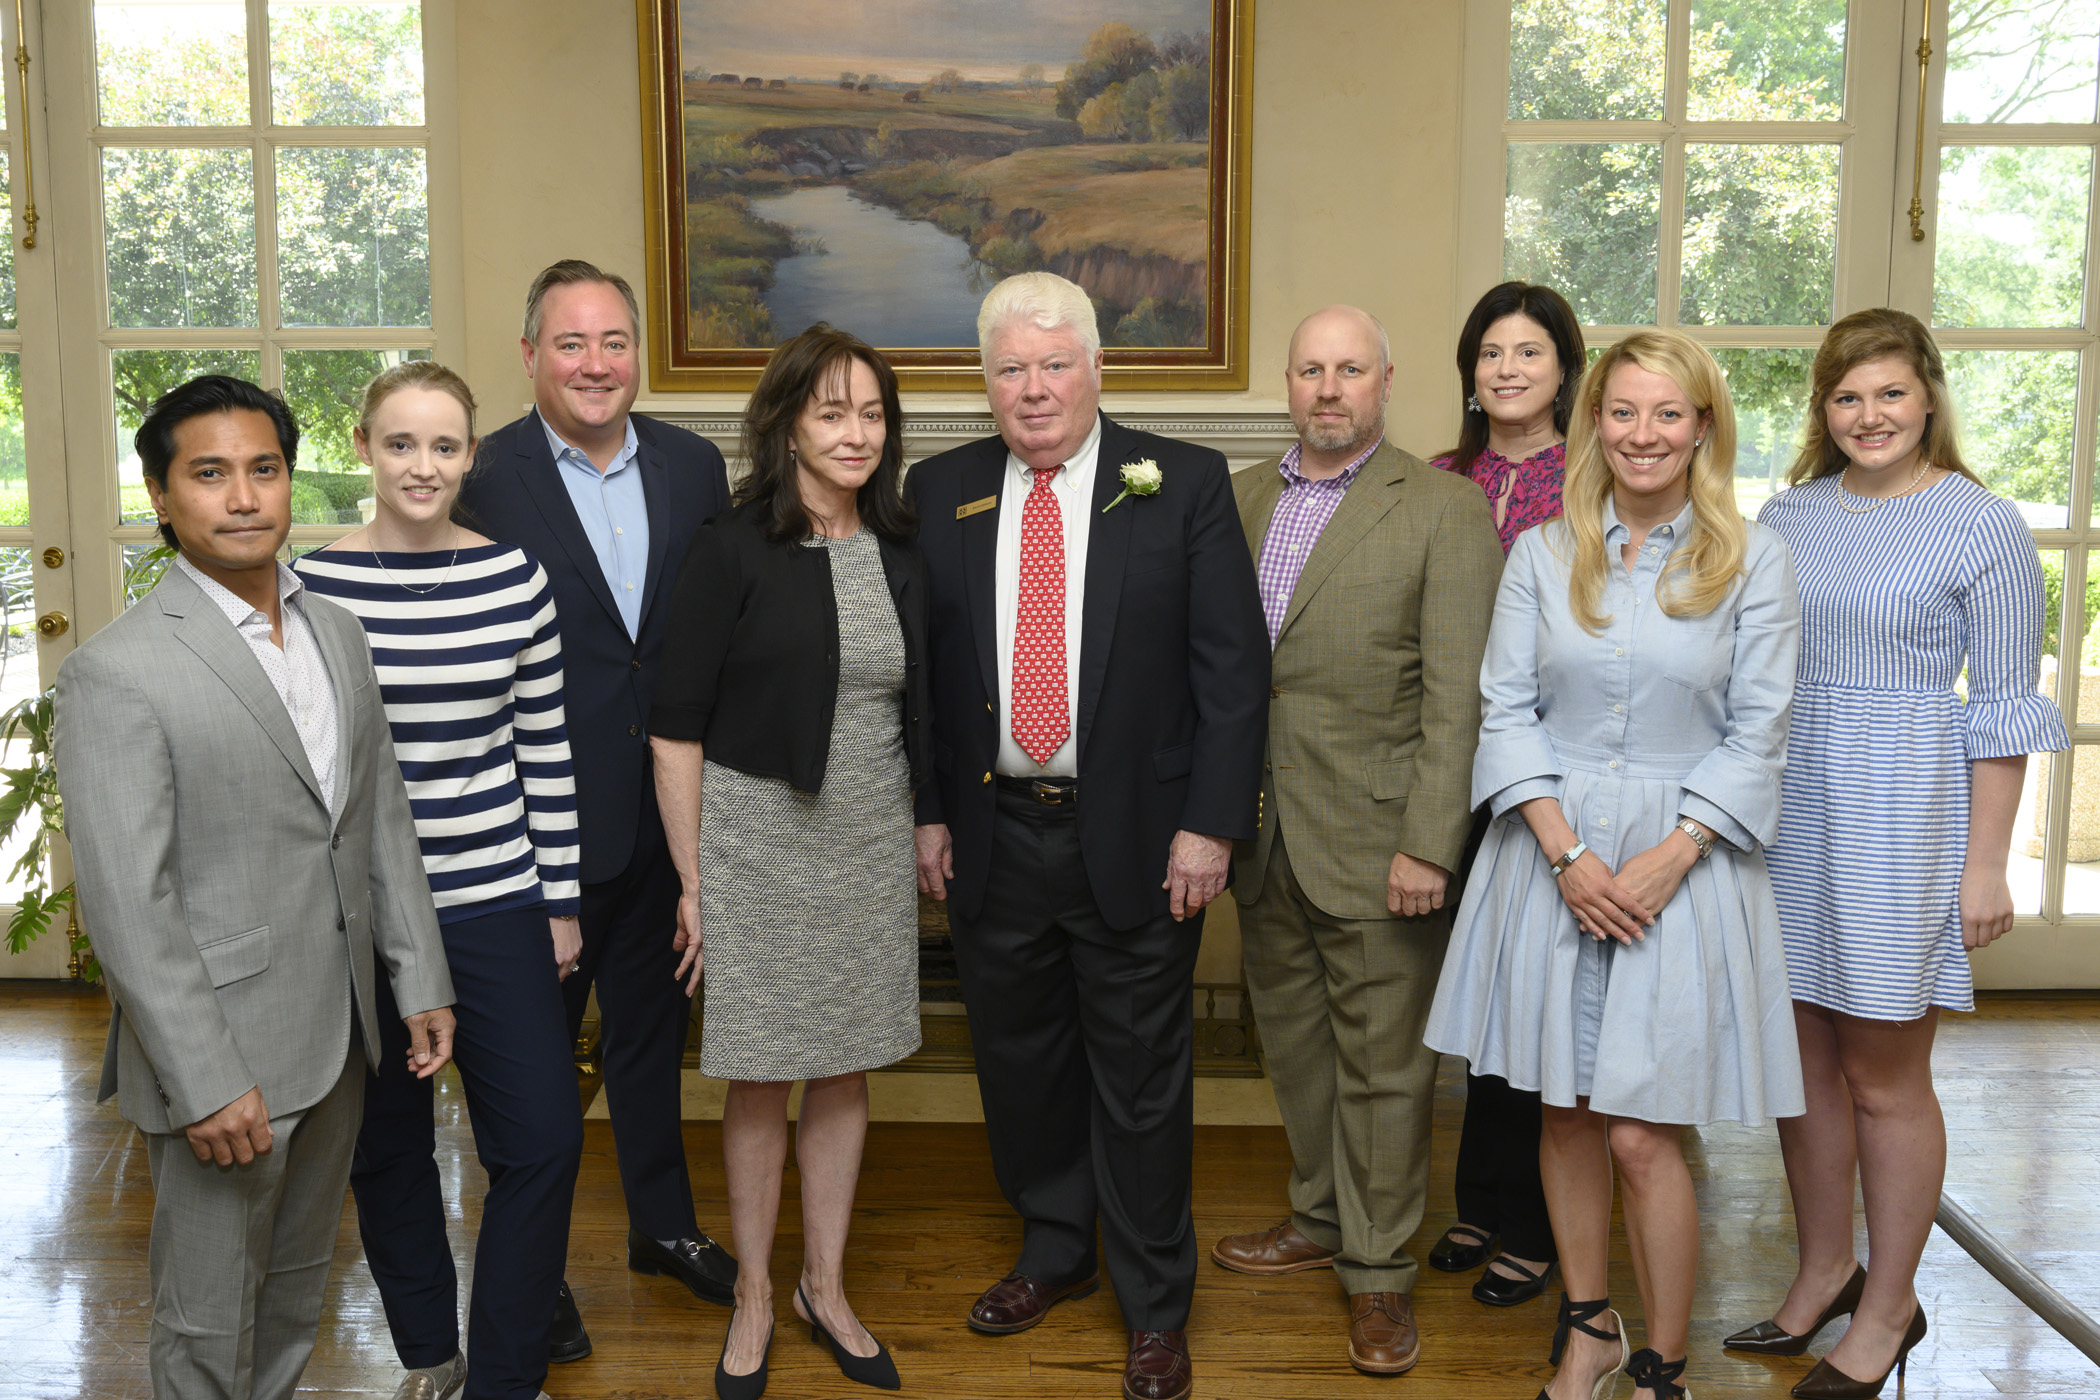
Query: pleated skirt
[1694, 1024]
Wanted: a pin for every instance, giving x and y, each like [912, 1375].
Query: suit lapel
[656, 495]
[1260, 507]
[1374, 493]
[1107, 551]
[980, 544]
[343, 666]
[543, 483]
[205, 631]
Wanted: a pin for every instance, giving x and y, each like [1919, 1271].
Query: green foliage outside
[1760, 230]
[2052, 619]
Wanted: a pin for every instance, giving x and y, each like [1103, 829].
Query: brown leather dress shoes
[1281, 1250]
[1159, 1367]
[1382, 1336]
[1018, 1302]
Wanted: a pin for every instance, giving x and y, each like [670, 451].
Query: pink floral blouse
[1534, 486]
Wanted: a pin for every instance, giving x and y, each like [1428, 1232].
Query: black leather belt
[1051, 792]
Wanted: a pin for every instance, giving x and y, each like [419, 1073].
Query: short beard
[1341, 439]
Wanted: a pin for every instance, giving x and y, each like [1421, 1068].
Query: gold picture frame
[919, 160]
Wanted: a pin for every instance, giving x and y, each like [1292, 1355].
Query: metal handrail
[2024, 1283]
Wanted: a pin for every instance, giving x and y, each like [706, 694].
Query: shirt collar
[563, 452]
[1674, 530]
[239, 610]
[1078, 468]
[1291, 474]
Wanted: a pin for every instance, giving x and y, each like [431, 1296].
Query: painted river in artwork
[891, 281]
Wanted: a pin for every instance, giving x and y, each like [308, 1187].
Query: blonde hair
[1042, 299]
[1877, 333]
[1701, 573]
[413, 374]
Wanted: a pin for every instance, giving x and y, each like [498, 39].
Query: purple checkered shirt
[1302, 512]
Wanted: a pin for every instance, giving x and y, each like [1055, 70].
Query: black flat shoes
[1463, 1247]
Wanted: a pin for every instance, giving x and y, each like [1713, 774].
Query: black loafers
[698, 1263]
[1502, 1291]
[566, 1339]
[1463, 1247]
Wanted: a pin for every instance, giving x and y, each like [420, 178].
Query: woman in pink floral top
[1519, 358]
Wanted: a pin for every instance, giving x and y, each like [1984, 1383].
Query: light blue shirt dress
[1656, 717]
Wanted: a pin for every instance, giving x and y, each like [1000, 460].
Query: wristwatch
[1704, 842]
[1575, 853]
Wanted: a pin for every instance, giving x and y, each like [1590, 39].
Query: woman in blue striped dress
[1897, 816]
[464, 640]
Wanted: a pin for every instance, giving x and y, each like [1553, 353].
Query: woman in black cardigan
[790, 732]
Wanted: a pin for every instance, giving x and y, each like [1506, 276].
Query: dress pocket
[1700, 660]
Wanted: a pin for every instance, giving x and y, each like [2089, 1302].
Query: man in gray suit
[243, 848]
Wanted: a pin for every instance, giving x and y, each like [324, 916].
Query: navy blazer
[515, 494]
[1173, 666]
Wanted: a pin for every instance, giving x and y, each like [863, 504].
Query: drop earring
[1472, 403]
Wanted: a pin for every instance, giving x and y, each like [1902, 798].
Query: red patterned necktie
[1040, 715]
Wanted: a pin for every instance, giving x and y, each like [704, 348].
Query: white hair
[1044, 300]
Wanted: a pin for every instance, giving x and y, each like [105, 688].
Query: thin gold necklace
[1875, 502]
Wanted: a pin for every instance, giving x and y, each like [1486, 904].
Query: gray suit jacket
[1374, 706]
[235, 920]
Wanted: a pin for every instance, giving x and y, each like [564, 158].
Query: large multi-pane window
[1743, 170]
[2004, 267]
[263, 198]
[1681, 164]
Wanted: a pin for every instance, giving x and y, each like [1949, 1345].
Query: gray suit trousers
[239, 1258]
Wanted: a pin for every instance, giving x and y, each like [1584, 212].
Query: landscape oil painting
[879, 164]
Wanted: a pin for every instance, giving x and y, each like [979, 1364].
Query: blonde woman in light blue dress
[1618, 948]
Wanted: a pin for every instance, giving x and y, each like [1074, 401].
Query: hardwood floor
[2020, 1081]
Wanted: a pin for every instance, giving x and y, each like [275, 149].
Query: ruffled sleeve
[1515, 761]
[2001, 599]
[1735, 789]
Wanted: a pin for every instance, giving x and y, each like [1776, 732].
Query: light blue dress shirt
[615, 516]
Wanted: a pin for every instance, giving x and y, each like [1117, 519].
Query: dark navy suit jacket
[1173, 666]
[515, 494]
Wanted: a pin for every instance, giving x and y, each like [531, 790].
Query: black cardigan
[750, 667]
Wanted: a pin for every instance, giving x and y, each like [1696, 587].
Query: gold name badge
[976, 507]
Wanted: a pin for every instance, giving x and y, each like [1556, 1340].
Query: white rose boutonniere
[1139, 479]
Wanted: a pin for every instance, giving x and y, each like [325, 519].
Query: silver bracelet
[1574, 854]
[1700, 839]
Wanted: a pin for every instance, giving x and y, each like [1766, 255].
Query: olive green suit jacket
[1374, 706]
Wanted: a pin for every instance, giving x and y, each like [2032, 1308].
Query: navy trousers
[643, 1018]
[514, 1062]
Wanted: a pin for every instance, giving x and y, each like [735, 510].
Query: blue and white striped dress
[1874, 824]
[468, 653]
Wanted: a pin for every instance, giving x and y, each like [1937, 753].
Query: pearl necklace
[433, 587]
[1875, 502]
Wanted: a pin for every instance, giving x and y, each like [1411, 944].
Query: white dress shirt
[297, 671]
[1073, 489]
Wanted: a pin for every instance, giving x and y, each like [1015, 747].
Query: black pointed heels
[1768, 1338]
[1827, 1382]
[877, 1370]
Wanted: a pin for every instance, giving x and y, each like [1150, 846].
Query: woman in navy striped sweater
[464, 640]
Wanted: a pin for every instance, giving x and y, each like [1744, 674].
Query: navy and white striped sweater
[470, 674]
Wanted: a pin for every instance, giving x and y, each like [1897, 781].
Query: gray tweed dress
[809, 901]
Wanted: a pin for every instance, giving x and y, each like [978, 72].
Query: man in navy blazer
[1099, 670]
[606, 500]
